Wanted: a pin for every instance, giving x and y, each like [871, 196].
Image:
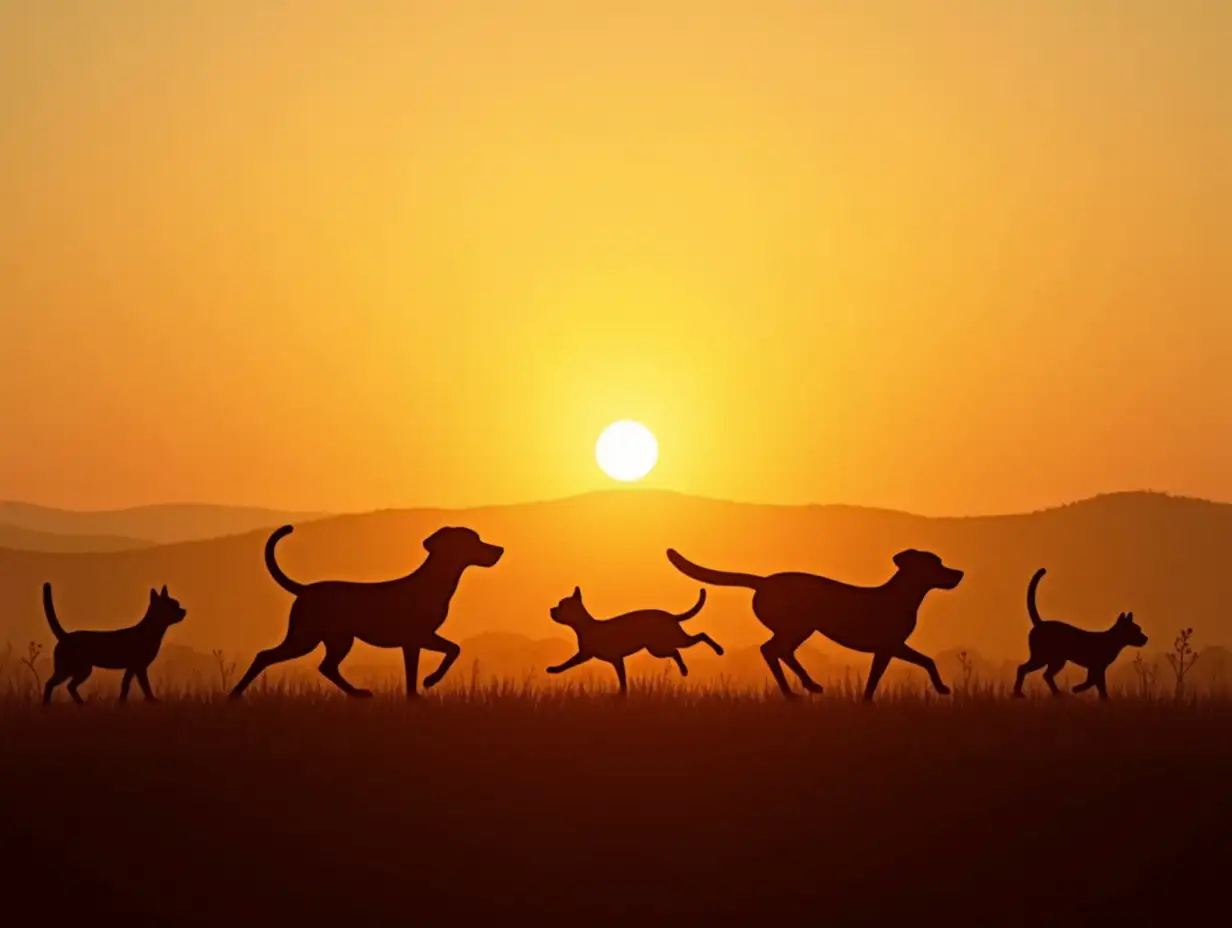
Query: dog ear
[577, 593]
[163, 594]
[432, 542]
[153, 595]
[903, 558]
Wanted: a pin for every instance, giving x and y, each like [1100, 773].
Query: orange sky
[961, 257]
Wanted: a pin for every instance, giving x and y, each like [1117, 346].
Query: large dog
[403, 613]
[875, 620]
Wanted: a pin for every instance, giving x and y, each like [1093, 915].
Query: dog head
[164, 608]
[462, 546]
[1128, 632]
[570, 611]
[927, 568]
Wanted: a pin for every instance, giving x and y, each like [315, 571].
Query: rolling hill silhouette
[164, 524]
[23, 539]
[1161, 556]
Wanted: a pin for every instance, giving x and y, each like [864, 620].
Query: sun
[627, 450]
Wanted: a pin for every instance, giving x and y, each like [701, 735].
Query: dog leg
[797, 668]
[684, 671]
[1053, 669]
[451, 652]
[336, 650]
[410, 661]
[1085, 684]
[619, 664]
[57, 677]
[578, 658]
[78, 679]
[1033, 664]
[880, 662]
[912, 656]
[773, 651]
[144, 682]
[703, 638]
[125, 685]
[290, 649]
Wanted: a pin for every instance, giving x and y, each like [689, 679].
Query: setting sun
[627, 451]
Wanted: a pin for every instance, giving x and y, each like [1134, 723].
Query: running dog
[875, 620]
[403, 613]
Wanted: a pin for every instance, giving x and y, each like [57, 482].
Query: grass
[681, 805]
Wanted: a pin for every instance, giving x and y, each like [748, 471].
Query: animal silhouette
[875, 620]
[402, 613]
[130, 649]
[614, 639]
[1054, 644]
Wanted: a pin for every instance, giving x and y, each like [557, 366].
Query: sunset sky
[952, 257]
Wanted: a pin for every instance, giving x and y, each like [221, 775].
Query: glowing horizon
[326, 258]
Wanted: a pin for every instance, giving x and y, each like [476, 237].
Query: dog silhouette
[403, 613]
[614, 639]
[874, 620]
[1054, 644]
[130, 649]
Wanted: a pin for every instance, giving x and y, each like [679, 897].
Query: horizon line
[321, 514]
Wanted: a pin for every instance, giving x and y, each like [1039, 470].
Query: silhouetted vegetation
[684, 804]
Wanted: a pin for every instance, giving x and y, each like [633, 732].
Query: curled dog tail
[1031, 610]
[713, 577]
[701, 601]
[271, 563]
[49, 610]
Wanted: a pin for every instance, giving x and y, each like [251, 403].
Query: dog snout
[492, 554]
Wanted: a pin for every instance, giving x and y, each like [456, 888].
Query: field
[568, 806]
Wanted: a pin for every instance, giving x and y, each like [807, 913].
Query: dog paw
[431, 680]
[362, 694]
[943, 690]
[553, 670]
[1019, 694]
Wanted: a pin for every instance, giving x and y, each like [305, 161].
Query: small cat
[130, 649]
[614, 639]
[1053, 644]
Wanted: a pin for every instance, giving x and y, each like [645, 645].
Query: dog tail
[713, 577]
[701, 601]
[1031, 610]
[49, 610]
[271, 563]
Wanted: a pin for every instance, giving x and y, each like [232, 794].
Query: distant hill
[160, 524]
[24, 539]
[1162, 557]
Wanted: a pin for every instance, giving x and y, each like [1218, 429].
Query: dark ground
[663, 810]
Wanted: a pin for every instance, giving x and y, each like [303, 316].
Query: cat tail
[701, 601]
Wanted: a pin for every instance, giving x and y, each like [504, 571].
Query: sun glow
[626, 451]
